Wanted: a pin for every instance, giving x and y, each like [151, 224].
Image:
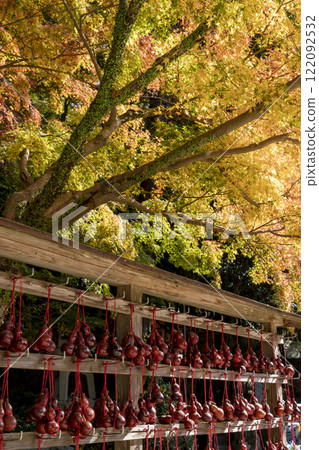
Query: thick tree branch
[84, 39]
[211, 155]
[104, 191]
[242, 192]
[101, 139]
[106, 98]
[160, 64]
[185, 218]
[12, 204]
[24, 173]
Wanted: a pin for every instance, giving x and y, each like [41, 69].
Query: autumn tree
[173, 108]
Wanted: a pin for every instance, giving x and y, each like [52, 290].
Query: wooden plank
[123, 326]
[34, 361]
[63, 293]
[30, 440]
[271, 390]
[31, 246]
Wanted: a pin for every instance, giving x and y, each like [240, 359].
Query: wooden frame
[38, 248]
[133, 280]
[30, 440]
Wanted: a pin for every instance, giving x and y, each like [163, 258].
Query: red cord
[45, 375]
[225, 395]
[153, 326]
[106, 324]
[20, 301]
[206, 345]
[184, 381]
[172, 329]
[176, 438]
[195, 439]
[114, 322]
[10, 311]
[242, 435]
[256, 438]
[5, 383]
[104, 390]
[131, 319]
[252, 386]
[213, 333]
[210, 395]
[115, 383]
[229, 440]
[130, 390]
[265, 391]
[205, 385]
[192, 382]
[155, 431]
[261, 438]
[160, 435]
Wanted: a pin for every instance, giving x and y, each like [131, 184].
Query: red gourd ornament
[156, 342]
[11, 335]
[7, 420]
[133, 346]
[81, 340]
[78, 416]
[174, 349]
[45, 412]
[44, 340]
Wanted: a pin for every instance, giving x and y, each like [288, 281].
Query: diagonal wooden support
[135, 294]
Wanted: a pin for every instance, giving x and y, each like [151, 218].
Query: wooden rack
[34, 361]
[30, 440]
[132, 280]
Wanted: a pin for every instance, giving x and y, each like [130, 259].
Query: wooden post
[272, 388]
[135, 294]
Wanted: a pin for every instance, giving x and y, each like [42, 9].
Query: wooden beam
[271, 390]
[34, 247]
[59, 292]
[30, 439]
[34, 361]
[123, 325]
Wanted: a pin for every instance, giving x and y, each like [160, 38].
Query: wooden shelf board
[34, 361]
[30, 440]
[67, 294]
[22, 243]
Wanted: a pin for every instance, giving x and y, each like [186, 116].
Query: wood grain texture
[31, 246]
[29, 439]
[34, 361]
[64, 293]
